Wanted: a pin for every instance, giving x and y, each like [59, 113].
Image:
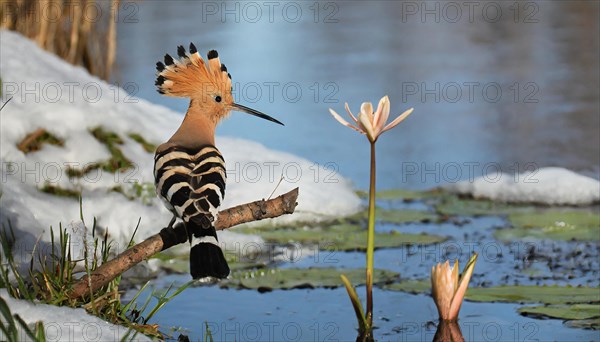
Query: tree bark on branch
[169, 237]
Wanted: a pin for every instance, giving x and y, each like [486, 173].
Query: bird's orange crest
[189, 76]
[207, 86]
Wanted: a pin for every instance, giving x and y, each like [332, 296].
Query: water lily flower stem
[371, 239]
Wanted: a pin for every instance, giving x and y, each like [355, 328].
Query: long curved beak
[251, 111]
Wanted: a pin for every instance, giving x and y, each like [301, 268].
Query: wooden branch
[258, 210]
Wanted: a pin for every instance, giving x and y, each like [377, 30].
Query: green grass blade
[358, 309]
[208, 334]
[26, 328]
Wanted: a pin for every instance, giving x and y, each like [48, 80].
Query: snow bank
[66, 101]
[549, 185]
[66, 324]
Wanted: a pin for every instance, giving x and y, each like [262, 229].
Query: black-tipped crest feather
[187, 75]
[169, 60]
[181, 51]
[212, 54]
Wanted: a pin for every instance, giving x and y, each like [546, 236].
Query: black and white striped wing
[208, 186]
[172, 168]
[191, 183]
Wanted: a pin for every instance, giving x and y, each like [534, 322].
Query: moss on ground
[35, 140]
[61, 192]
[117, 161]
[148, 147]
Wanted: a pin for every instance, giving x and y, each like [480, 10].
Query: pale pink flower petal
[344, 122]
[455, 275]
[382, 114]
[397, 120]
[442, 289]
[349, 112]
[366, 125]
[448, 290]
[369, 122]
[462, 288]
[366, 108]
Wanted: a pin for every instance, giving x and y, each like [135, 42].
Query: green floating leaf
[394, 216]
[453, 205]
[299, 278]
[342, 237]
[399, 194]
[512, 294]
[535, 294]
[575, 311]
[584, 309]
[593, 324]
[180, 262]
[411, 286]
[555, 224]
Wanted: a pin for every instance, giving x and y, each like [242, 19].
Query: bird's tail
[189, 75]
[206, 256]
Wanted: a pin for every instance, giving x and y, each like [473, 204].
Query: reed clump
[82, 32]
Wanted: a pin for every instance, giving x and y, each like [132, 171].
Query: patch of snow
[66, 324]
[549, 185]
[66, 101]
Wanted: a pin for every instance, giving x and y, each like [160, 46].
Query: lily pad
[593, 324]
[398, 194]
[571, 312]
[411, 286]
[394, 216]
[453, 205]
[567, 224]
[299, 278]
[512, 294]
[342, 237]
[534, 294]
[180, 262]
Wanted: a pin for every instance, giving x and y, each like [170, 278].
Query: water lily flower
[448, 289]
[372, 123]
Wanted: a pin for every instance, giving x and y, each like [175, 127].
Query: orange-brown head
[207, 86]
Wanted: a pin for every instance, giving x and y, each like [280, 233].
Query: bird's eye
[218, 98]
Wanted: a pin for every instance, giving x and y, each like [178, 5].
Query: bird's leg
[173, 235]
[172, 222]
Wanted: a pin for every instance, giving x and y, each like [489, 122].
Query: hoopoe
[189, 170]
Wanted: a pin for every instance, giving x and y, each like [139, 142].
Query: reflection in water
[448, 332]
[513, 90]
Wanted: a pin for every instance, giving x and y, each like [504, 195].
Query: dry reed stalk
[63, 28]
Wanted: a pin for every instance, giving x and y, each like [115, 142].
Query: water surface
[503, 86]
[494, 86]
